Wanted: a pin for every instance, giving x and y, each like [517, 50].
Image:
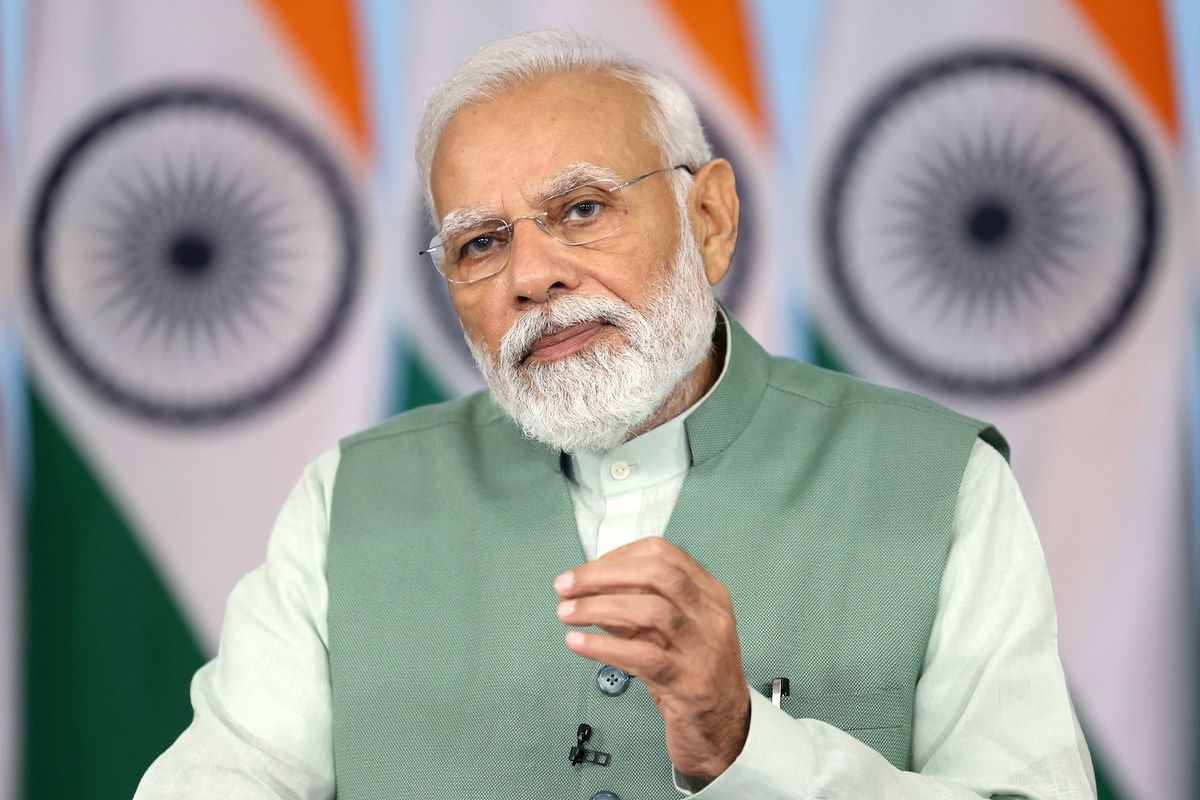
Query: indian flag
[998, 224]
[708, 47]
[197, 292]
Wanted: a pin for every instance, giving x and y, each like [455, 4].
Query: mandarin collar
[669, 449]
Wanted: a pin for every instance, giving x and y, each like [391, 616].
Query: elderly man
[423, 626]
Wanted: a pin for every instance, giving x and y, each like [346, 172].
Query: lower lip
[569, 346]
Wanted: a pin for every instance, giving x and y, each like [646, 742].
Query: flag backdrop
[202, 318]
[997, 224]
[196, 275]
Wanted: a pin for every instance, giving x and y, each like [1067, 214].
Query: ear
[713, 207]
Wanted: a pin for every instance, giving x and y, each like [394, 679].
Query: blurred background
[210, 225]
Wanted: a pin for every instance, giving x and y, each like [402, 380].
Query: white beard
[593, 400]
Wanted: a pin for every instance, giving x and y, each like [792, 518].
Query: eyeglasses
[583, 215]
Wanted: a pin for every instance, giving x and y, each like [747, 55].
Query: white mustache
[557, 316]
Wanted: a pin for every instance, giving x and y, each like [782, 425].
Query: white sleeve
[263, 719]
[992, 717]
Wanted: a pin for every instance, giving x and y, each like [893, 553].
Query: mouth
[565, 343]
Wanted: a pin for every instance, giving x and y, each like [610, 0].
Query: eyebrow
[570, 177]
[464, 219]
[566, 179]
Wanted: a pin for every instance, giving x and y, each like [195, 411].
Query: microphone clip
[581, 755]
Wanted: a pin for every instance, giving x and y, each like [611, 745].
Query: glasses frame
[540, 220]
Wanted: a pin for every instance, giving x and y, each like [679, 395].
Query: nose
[539, 267]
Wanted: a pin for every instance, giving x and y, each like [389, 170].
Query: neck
[694, 386]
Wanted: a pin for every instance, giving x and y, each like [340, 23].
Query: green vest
[823, 503]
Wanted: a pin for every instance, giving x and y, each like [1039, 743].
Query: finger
[651, 565]
[626, 615]
[654, 637]
[645, 659]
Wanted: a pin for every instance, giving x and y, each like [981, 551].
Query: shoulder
[836, 395]
[825, 388]
[465, 413]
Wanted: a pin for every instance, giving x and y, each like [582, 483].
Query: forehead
[493, 149]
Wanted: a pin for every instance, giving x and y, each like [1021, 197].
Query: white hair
[673, 125]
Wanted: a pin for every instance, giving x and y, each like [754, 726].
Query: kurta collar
[657, 455]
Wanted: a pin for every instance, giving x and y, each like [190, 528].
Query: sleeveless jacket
[823, 503]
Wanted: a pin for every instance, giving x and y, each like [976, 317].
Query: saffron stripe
[324, 34]
[1136, 34]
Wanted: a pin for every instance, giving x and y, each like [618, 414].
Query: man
[894, 633]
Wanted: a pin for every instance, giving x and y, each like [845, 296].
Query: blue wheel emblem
[990, 223]
[194, 254]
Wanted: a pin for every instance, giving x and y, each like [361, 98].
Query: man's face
[499, 157]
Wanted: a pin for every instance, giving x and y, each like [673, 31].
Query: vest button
[612, 682]
[605, 796]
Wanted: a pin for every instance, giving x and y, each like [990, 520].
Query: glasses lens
[474, 253]
[587, 213]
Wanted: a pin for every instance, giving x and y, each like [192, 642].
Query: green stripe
[823, 353]
[1106, 789]
[421, 386]
[1106, 783]
[109, 655]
